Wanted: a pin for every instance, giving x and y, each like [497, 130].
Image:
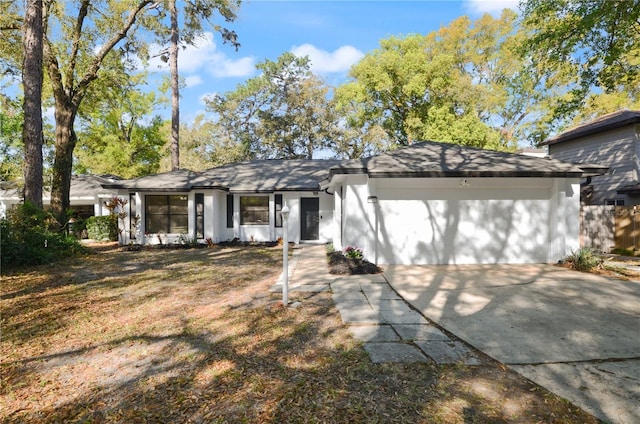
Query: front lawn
[195, 336]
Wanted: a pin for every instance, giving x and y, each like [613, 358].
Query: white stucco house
[428, 203]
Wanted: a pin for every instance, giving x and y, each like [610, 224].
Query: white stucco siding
[438, 221]
[327, 225]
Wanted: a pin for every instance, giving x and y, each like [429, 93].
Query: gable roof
[606, 122]
[256, 176]
[432, 159]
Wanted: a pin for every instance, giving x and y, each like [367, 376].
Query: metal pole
[285, 255]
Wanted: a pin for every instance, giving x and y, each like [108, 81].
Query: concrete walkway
[390, 329]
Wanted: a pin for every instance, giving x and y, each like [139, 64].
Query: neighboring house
[429, 203]
[87, 196]
[612, 140]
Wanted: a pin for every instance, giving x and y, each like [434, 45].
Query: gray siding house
[612, 141]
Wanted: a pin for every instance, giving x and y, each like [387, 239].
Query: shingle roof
[427, 159]
[251, 176]
[181, 180]
[82, 186]
[269, 175]
[609, 121]
[432, 159]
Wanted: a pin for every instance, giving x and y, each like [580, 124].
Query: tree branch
[75, 46]
[92, 73]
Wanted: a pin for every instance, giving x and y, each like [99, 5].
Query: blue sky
[334, 34]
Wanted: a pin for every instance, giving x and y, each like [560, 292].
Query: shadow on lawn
[193, 337]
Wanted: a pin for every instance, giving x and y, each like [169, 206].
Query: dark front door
[310, 218]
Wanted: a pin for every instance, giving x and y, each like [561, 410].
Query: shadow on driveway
[576, 334]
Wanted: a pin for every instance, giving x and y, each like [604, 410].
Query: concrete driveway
[573, 333]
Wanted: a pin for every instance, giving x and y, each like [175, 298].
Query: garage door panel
[462, 231]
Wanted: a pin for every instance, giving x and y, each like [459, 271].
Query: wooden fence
[604, 227]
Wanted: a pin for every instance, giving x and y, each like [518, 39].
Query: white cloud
[204, 96]
[493, 7]
[193, 80]
[204, 55]
[324, 62]
[234, 68]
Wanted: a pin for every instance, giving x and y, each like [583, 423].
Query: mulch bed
[341, 265]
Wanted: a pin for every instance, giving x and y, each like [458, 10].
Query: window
[278, 210]
[199, 215]
[229, 210]
[166, 214]
[254, 210]
[614, 202]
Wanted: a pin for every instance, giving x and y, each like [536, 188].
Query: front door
[310, 218]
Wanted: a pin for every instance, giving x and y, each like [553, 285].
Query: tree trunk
[65, 115]
[175, 89]
[32, 106]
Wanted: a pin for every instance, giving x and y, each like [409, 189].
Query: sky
[334, 34]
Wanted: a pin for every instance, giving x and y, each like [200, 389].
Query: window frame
[199, 215]
[277, 215]
[230, 199]
[250, 216]
[169, 214]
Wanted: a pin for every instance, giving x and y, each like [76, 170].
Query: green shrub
[102, 227]
[584, 259]
[31, 236]
[622, 252]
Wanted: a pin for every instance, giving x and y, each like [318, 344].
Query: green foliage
[461, 84]
[622, 252]
[352, 252]
[584, 259]
[119, 135]
[103, 227]
[593, 45]
[31, 236]
[283, 113]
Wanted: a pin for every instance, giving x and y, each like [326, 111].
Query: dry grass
[194, 336]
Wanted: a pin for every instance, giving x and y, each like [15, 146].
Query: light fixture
[372, 199]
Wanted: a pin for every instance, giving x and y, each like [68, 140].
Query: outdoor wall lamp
[372, 199]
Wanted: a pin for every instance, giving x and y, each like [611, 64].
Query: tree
[203, 146]
[117, 134]
[283, 113]
[460, 84]
[77, 43]
[11, 146]
[598, 39]
[195, 13]
[32, 136]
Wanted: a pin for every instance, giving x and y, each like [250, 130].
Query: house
[613, 141]
[428, 203]
[87, 196]
[236, 201]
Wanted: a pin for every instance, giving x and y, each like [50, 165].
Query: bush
[103, 227]
[31, 236]
[584, 259]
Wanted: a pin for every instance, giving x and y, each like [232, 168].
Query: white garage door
[486, 222]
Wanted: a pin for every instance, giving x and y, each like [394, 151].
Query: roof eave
[579, 134]
[476, 174]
